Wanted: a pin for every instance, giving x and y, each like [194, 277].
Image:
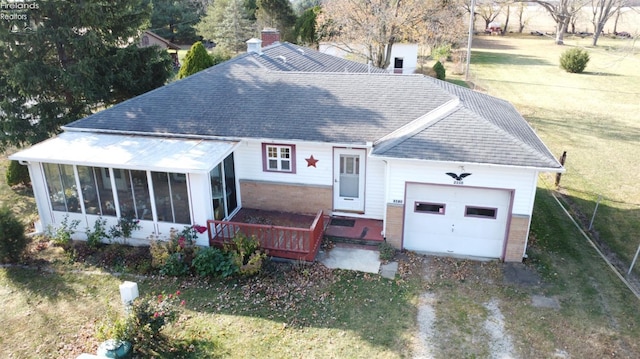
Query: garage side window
[480, 212]
[426, 207]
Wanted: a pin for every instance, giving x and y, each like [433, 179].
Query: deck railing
[283, 242]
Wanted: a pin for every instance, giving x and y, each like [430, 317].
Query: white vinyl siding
[249, 166]
[523, 181]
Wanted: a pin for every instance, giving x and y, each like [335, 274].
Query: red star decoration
[311, 161]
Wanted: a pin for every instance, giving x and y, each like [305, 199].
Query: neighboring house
[404, 57]
[287, 128]
[149, 38]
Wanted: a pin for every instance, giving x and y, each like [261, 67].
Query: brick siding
[394, 221]
[286, 197]
[517, 238]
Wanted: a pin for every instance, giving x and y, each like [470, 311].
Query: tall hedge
[13, 242]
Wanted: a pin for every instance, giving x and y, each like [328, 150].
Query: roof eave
[535, 168]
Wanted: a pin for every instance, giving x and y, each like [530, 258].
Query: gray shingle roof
[261, 96]
[483, 129]
[289, 57]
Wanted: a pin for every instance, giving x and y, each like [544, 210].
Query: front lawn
[54, 307]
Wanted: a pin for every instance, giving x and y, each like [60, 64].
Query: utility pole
[471, 21]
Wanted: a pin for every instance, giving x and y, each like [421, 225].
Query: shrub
[254, 264]
[439, 70]
[441, 52]
[387, 252]
[248, 256]
[196, 60]
[17, 174]
[213, 262]
[94, 238]
[146, 318]
[13, 242]
[173, 255]
[574, 60]
[61, 235]
[159, 253]
[175, 266]
[125, 227]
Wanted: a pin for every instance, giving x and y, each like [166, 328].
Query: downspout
[386, 199]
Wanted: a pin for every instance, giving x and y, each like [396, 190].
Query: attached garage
[456, 220]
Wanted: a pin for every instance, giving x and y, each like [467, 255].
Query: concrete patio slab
[363, 260]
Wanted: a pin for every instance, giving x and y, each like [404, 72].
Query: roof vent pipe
[254, 45]
[284, 59]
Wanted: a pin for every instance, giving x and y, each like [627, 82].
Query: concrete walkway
[363, 260]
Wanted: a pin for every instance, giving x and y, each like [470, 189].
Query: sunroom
[162, 182]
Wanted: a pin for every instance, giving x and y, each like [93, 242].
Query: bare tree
[561, 11]
[489, 10]
[602, 11]
[444, 25]
[522, 22]
[507, 11]
[618, 13]
[376, 24]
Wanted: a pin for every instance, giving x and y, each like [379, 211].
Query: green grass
[290, 311]
[592, 116]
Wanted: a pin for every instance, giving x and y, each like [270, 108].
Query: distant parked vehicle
[493, 29]
[536, 33]
[623, 34]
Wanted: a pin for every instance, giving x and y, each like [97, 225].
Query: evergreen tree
[196, 60]
[306, 26]
[277, 14]
[64, 58]
[175, 20]
[228, 23]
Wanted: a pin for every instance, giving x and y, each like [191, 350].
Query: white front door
[348, 179]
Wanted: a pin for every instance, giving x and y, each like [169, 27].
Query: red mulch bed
[274, 218]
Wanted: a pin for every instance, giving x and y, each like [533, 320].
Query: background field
[537, 18]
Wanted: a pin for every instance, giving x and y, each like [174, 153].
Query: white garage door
[456, 220]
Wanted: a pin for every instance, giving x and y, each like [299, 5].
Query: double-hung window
[278, 158]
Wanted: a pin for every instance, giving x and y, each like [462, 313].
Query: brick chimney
[270, 36]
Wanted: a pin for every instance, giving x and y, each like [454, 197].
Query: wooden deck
[278, 241]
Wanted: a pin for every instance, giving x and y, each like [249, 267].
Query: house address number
[398, 201]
